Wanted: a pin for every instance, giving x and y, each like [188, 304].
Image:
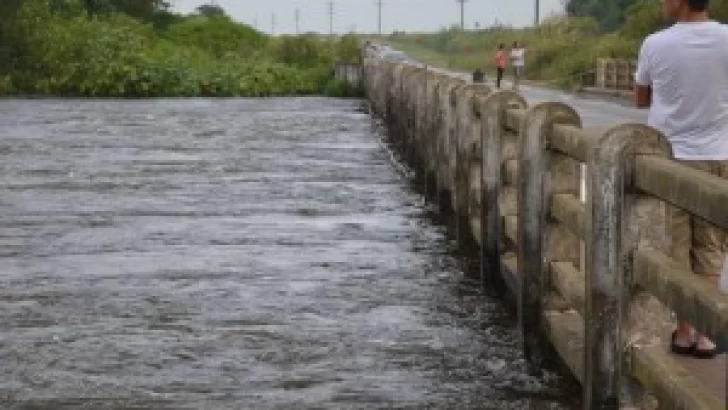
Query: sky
[361, 15]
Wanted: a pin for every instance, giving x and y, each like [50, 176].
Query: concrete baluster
[493, 109]
[462, 159]
[542, 174]
[457, 101]
[473, 151]
[413, 87]
[617, 220]
[399, 105]
[406, 112]
[421, 126]
[447, 106]
[434, 119]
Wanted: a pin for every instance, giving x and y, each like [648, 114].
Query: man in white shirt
[682, 75]
[518, 60]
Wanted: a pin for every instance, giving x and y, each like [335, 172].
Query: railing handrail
[527, 203]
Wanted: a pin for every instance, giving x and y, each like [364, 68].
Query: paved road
[594, 111]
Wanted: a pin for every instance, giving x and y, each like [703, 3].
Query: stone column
[493, 109]
[542, 174]
[618, 219]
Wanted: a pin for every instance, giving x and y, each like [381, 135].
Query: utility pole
[537, 13]
[298, 20]
[273, 24]
[379, 16]
[331, 18]
[462, 13]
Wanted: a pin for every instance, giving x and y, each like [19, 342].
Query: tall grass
[557, 51]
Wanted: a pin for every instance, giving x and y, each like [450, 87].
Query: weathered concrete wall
[509, 176]
[351, 73]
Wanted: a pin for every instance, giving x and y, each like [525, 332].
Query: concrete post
[448, 105]
[493, 109]
[398, 116]
[617, 220]
[410, 88]
[438, 113]
[542, 173]
[451, 146]
[425, 133]
[419, 102]
[462, 158]
[432, 124]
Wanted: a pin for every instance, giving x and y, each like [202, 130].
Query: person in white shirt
[518, 60]
[682, 76]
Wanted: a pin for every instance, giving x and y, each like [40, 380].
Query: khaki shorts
[696, 243]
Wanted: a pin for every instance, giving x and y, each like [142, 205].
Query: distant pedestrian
[682, 76]
[500, 64]
[518, 61]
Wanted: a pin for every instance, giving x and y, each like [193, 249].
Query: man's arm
[642, 96]
[643, 80]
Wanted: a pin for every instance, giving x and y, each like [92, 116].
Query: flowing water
[234, 254]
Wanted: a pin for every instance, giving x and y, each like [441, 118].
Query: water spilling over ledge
[226, 254]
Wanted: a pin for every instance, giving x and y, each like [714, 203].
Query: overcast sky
[361, 15]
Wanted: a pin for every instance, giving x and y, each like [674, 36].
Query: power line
[298, 20]
[379, 16]
[462, 13]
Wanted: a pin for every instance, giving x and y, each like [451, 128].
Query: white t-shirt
[517, 57]
[687, 67]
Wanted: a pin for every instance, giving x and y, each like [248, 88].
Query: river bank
[67, 52]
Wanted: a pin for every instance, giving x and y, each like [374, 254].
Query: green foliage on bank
[643, 15]
[609, 14]
[61, 48]
[557, 50]
[560, 50]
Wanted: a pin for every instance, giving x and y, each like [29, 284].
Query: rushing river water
[234, 254]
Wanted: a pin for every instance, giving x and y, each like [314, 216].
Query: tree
[210, 10]
[217, 35]
[609, 14]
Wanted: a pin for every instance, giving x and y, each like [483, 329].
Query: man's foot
[705, 348]
[683, 344]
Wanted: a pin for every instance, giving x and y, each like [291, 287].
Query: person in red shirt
[500, 64]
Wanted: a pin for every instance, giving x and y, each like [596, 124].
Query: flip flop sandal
[704, 353]
[682, 350]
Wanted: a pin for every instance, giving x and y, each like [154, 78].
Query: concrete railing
[618, 74]
[513, 178]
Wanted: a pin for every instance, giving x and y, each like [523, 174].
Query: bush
[301, 51]
[6, 85]
[342, 89]
[218, 35]
[69, 54]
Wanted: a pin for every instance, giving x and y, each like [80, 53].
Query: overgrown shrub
[68, 53]
[218, 35]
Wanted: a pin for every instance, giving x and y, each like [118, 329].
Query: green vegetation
[609, 14]
[138, 48]
[560, 50]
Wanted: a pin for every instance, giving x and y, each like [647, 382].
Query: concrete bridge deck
[679, 377]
